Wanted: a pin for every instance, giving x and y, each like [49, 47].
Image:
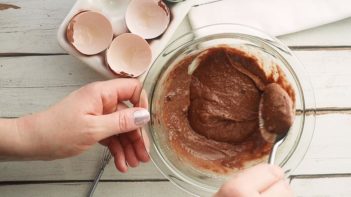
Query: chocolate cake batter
[211, 116]
[223, 101]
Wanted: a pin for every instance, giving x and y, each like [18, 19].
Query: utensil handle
[271, 158]
[96, 181]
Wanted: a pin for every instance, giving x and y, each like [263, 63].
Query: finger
[258, 178]
[138, 145]
[120, 122]
[281, 188]
[136, 137]
[143, 102]
[126, 89]
[109, 102]
[143, 155]
[121, 106]
[145, 140]
[129, 153]
[117, 152]
[106, 141]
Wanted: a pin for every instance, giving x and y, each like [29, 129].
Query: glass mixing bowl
[290, 153]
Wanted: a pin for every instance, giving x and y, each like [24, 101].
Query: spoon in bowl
[279, 139]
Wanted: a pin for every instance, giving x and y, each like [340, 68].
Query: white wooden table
[35, 73]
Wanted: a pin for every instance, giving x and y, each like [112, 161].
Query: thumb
[122, 121]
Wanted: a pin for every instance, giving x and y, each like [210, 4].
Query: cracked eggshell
[147, 18]
[89, 32]
[129, 55]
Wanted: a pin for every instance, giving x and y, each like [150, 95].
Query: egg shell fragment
[89, 32]
[147, 18]
[129, 55]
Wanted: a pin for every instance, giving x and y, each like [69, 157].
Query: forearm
[18, 138]
[10, 139]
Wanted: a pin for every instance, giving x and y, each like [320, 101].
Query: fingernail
[141, 117]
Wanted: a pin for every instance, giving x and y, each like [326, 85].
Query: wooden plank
[82, 167]
[322, 187]
[329, 148]
[17, 102]
[45, 71]
[318, 187]
[29, 84]
[132, 189]
[28, 93]
[329, 73]
[333, 34]
[329, 152]
[33, 27]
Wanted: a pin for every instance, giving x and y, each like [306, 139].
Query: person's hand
[259, 181]
[128, 148]
[92, 114]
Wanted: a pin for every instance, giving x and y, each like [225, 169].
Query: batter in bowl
[211, 116]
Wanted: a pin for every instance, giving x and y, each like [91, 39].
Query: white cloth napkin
[276, 17]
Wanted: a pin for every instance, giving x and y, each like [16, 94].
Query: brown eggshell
[147, 18]
[89, 32]
[129, 55]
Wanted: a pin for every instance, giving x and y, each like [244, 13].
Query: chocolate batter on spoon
[211, 115]
[277, 109]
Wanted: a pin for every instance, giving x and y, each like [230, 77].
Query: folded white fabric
[276, 17]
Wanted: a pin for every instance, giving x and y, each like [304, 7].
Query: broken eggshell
[89, 32]
[129, 55]
[147, 18]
